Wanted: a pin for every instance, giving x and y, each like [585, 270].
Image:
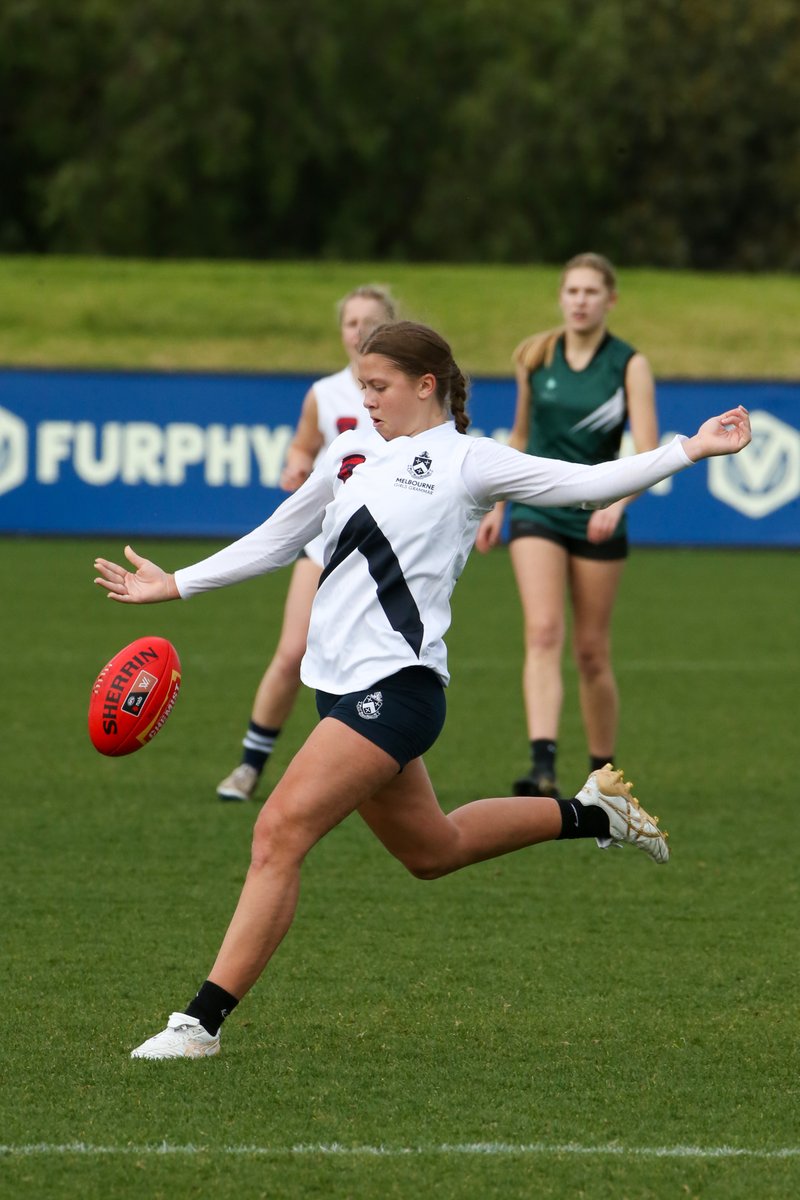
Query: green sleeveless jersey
[577, 416]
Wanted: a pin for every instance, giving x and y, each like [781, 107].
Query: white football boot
[629, 823]
[240, 784]
[184, 1037]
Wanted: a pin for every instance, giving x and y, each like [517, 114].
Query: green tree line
[662, 132]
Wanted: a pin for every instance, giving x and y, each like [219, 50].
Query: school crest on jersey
[370, 707]
[343, 424]
[349, 464]
[421, 465]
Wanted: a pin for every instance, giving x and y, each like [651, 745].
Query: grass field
[560, 1023]
[280, 316]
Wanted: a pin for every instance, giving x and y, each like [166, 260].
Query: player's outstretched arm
[726, 434]
[148, 584]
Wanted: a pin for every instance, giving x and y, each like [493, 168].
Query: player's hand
[489, 530]
[603, 522]
[148, 584]
[726, 434]
[292, 477]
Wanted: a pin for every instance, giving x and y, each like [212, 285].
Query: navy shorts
[614, 548]
[403, 714]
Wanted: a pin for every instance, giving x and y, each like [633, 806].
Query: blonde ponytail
[537, 350]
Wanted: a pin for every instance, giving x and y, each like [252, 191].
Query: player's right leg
[593, 586]
[540, 566]
[279, 685]
[333, 773]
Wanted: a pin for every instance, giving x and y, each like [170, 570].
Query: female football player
[331, 406]
[398, 514]
[577, 387]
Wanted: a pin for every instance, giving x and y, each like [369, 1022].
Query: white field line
[333, 1149]
[675, 665]
[710, 664]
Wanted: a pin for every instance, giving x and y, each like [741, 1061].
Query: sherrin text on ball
[133, 696]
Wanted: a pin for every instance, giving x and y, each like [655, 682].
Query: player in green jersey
[577, 387]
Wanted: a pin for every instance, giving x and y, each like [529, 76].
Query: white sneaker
[628, 821]
[184, 1037]
[240, 784]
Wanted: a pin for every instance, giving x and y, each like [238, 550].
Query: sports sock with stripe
[258, 743]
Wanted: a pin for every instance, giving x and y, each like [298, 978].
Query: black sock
[582, 820]
[258, 742]
[211, 1006]
[596, 763]
[543, 756]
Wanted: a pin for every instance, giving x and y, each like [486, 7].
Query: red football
[133, 695]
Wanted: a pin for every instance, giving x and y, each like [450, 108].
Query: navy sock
[258, 742]
[582, 820]
[211, 1006]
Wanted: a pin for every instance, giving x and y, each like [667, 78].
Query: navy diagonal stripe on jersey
[361, 533]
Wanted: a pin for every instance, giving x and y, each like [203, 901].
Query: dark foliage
[660, 131]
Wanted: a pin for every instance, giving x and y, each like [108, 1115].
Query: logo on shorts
[421, 466]
[370, 707]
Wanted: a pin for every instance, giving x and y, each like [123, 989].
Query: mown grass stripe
[44, 1149]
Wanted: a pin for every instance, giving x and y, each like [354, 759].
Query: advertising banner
[190, 454]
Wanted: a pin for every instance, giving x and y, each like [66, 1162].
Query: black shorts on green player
[610, 550]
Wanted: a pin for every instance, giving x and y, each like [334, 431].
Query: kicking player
[398, 515]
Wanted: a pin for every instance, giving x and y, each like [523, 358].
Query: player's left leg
[405, 815]
[593, 587]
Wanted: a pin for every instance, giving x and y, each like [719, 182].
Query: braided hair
[419, 350]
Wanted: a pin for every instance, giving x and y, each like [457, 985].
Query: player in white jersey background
[399, 516]
[331, 405]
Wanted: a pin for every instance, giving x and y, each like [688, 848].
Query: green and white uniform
[577, 416]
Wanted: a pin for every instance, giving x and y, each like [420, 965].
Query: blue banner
[185, 454]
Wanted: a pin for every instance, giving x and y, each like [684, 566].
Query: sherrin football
[133, 695]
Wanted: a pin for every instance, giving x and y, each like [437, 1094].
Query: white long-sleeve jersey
[399, 519]
[340, 406]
